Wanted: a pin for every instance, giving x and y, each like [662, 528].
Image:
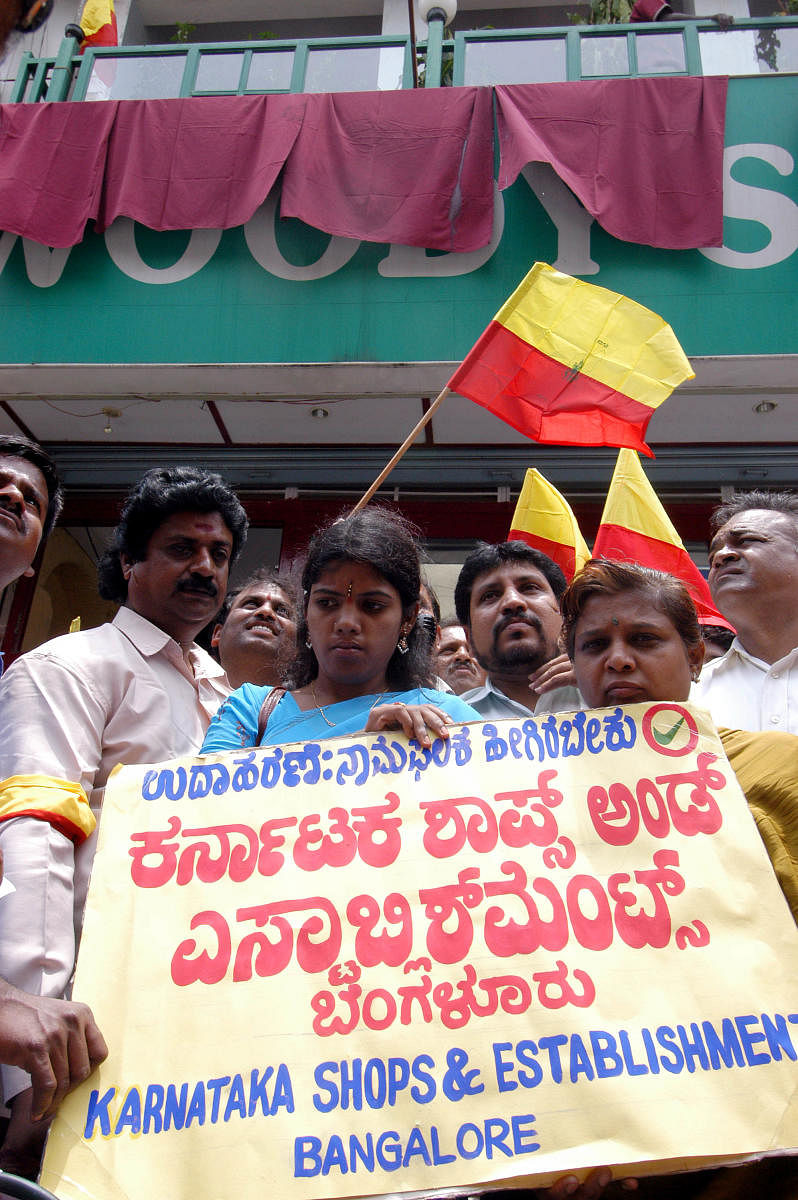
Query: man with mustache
[753, 577]
[453, 660]
[31, 499]
[507, 600]
[56, 1040]
[135, 690]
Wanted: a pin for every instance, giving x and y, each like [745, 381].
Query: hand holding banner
[359, 966]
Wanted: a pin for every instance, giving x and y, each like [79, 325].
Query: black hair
[14, 446]
[487, 557]
[386, 542]
[433, 599]
[718, 634]
[607, 577]
[158, 495]
[267, 575]
[785, 503]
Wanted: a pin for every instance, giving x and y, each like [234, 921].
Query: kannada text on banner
[358, 966]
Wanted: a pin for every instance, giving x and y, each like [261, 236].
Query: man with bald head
[753, 578]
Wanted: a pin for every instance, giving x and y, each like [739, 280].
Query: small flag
[635, 528]
[98, 22]
[544, 519]
[572, 364]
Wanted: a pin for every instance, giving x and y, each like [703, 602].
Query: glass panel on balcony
[730, 52]
[219, 72]
[136, 77]
[354, 69]
[660, 53]
[777, 49]
[538, 60]
[604, 56]
[270, 71]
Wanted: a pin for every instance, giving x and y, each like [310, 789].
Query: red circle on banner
[674, 736]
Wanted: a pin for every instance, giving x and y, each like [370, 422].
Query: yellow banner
[356, 966]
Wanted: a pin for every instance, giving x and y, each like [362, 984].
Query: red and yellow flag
[635, 528]
[544, 519]
[569, 363]
[98, 22]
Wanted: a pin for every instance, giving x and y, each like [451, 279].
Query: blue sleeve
[236, 721]
[453, 705]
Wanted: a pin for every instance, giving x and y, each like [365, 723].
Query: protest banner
[358, 966]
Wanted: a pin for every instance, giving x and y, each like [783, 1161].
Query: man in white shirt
[507, 599]
[57, 1041]
[753, 578]
[135, 690]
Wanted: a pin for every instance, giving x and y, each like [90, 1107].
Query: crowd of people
[358, 645]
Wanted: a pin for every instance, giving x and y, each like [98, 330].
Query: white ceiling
[367, 404]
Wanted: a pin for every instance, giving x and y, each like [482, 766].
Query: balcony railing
[750, 47]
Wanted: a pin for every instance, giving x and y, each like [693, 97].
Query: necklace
[320, 707]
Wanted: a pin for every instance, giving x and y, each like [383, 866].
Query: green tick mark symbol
[665, 739]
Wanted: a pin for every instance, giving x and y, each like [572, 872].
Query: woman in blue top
[362, 662]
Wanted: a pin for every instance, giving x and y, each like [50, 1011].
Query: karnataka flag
[98, 22]
[544, 520]
[573, 364]
[635, 528]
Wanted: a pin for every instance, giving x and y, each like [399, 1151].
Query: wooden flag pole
[406, 444]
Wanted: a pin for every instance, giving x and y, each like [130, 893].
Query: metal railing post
[61, 78]
[434, 60]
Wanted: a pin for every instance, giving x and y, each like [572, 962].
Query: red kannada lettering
[617, 812]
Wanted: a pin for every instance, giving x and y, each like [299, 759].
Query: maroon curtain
[644, 156]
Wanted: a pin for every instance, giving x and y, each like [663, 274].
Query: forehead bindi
[623, 613]
[205, 528]
[352, 579]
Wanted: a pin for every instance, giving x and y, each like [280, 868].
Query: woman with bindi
[362, 662]
[633, 636]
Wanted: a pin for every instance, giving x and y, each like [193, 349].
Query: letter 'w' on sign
[544, 520]
[571, 364]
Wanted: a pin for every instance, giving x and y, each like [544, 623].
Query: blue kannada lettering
[269, 766]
